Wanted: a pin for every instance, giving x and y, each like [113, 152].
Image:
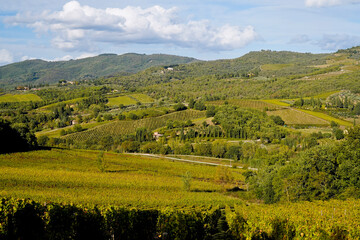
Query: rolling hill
[261, 63]
[256, 75]
[34, 72]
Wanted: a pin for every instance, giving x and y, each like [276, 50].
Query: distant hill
[259, 75]
[260, 63]
[36, 72]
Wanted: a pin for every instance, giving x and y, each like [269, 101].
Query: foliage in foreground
[320, 173]
[15, 138]
[26, 219]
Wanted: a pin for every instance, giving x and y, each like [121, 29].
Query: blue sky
[207, 30]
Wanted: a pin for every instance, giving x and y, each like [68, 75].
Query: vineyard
[334, 219]
[73, 176]
[306, 220]
[69, 189]
[67, 102]
[128, 127]
[298, 117]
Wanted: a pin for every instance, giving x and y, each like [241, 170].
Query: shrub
[61, 224]
[338, 233]
[277, 120]
[131, 146]
[43, 140]
[179, 107]
[133, 116]
[108, 117]
[282, 229]
[187, 181]
[199, 106]
[339, 134]
[181, 225]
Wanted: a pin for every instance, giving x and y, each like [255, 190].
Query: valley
[250, 140]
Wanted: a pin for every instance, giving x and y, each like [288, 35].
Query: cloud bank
[299, 39]
[338, 41]
[80, 27]
[5, 57]
[326, 3]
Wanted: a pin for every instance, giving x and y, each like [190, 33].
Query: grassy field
[20, 98]
[125, 100]
[326, 95]
[275, 66]
[74, 176]
[297, 117]
[328, 118]
[279, 102]
[247, 103]
[142, 98]
[293, 116]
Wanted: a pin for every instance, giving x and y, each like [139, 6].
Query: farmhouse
[157, 135]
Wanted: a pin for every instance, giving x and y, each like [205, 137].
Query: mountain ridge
[37, 71]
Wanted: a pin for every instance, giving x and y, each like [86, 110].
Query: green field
[328, 118]
[20, 98]
[125, 100]
[280, 102]
[247, 103]
[275, 66]
[293, 116]
[71, 176]
[297, 117]
[142, 98]
[326, 95]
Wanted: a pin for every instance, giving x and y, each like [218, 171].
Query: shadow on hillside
[235, 189]
[203, 190]
[121, 171]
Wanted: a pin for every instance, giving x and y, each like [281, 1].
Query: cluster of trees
[314, 103]
[90, 101]
[248, 124]
[16, 137]
[322, 172]
[338, 102]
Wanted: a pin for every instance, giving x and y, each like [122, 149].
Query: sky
[56, 30]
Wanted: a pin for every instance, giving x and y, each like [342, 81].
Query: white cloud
[298, 39]
[5, 56]
[325, 3]
[86, 55]
[24, 58]
[338, 41]
[79, 27]
[64, 58]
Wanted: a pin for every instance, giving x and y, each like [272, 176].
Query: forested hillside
[40, 72]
